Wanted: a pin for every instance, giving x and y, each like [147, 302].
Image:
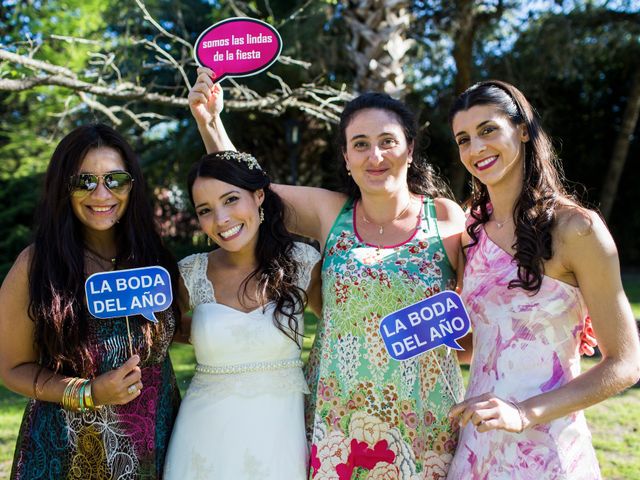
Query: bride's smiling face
[229, 215]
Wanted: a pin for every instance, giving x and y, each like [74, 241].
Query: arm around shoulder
[311, 211]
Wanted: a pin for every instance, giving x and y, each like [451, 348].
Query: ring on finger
[132, 389]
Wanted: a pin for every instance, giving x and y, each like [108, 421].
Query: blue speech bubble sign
[136, 291]
[438, 320]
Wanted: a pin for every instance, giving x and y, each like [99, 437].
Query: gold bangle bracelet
[88, 397]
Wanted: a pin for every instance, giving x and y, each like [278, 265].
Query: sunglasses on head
[118, 183]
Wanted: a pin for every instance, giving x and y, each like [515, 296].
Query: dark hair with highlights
[421, 177]
[276, 272]
[535, 209]
[57, 272]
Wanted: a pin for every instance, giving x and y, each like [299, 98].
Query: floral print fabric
[523, 345]
[369, 416]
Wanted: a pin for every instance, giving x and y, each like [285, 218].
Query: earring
[349, 172]
[261, 213]
[209, 241]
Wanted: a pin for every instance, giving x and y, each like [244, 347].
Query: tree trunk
[463, 36]
[621, 148]
[379, 43]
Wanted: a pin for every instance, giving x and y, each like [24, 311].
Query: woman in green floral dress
[389, 241]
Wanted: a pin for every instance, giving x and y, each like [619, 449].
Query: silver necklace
[381, 226]
[502, 223]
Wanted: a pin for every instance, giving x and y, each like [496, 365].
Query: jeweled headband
[246, 158]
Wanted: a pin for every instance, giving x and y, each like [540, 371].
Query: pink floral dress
[369, 416]
[523, 345]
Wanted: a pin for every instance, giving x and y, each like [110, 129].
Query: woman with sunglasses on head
[242, 417]
[389, 241]
[95, 410]
[537, 261]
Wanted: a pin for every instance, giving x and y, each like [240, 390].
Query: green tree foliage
[572, 59]
[108, 41]
[29, 120]
[577, 69]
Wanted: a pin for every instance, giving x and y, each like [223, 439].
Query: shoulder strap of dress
[306, 256]
[480, 233]
[343, 219]
[193, 268]
[430, 215]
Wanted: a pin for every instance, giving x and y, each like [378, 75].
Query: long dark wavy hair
[57, 273]
[534, 212]
[421, 177]
[276, 272]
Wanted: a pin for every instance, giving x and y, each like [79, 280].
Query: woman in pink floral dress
[536, 263]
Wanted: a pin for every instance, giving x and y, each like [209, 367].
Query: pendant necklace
[97, 256]
[381, 227]
[502, 223]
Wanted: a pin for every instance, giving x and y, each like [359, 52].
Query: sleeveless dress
[124, 442]
[369, 416]
[523, 346]
[242, 417]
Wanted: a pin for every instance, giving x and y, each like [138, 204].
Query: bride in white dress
[242, 416]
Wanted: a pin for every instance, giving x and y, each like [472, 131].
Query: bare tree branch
[168, 58]
[104, 87]
[159, 27]
[295, 14]
[322, 102]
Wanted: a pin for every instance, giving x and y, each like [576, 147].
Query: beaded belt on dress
[249, 367]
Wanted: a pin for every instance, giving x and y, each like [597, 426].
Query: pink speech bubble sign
[238, 47]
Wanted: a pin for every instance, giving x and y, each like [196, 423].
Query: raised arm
[311, 211]
[587, 250]
[206, 103]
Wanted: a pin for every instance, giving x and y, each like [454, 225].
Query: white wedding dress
[242, 417]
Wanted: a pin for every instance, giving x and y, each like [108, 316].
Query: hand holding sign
[238, 47]
[438, 320]
[206, 99]
[115, 387]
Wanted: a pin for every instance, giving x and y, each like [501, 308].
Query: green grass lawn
[614, 423]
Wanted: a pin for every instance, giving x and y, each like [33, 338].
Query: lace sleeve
[194, 273]
[307, 257]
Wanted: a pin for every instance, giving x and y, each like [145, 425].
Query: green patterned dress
[369, 416]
